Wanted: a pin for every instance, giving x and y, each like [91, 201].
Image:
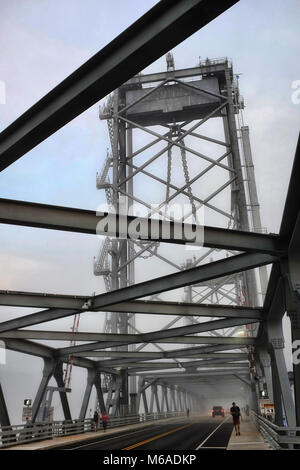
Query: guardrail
[23, 434]
[279, 437]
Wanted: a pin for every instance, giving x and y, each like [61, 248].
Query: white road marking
[201, 445]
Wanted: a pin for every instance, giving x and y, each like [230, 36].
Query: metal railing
[31, 432]
[279, 437]
[220, 60]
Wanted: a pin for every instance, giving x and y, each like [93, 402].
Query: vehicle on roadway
[218, 411]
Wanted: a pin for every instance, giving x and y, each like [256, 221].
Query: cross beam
[191, 276]
[161, 334]
[85, 221]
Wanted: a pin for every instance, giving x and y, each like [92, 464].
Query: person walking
[105, 420]
[96, 420]
[236, 413]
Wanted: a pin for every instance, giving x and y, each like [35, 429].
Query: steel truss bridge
[221, 295]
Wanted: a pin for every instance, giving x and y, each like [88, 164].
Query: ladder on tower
[69, 364]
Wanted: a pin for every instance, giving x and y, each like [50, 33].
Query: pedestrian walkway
[250, 438]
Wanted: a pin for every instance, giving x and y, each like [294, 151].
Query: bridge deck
[211, 433]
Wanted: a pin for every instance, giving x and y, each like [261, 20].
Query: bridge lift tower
[166, 112]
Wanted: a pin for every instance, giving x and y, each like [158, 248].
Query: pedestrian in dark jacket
[96, 420]
[236, 413]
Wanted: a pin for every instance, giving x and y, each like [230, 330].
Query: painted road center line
[205, 440]
[104, 440]
[156, 437]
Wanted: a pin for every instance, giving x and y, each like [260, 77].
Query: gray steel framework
[163, 27]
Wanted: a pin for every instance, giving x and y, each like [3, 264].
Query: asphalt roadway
[203, 433]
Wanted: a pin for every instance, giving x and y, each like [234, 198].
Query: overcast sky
[43, 41]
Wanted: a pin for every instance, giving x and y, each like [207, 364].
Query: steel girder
[127, 361]
[188, 375]
[156, 335]
[4, 417]
[281, 288]
[45, 352]
[159, 30]
[288, 223]
[20, 335]
[191, 276]
[144, 362]
[84, 221]
[43, 300]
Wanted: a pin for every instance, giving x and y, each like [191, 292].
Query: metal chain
[187, 179]
[169, 171]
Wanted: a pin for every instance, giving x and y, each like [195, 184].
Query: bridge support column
[115, 400]
[179, 392]
[156, 398]
[91, 375]
[133, 403]
[265, 361]
[295, 327]
[291, 269]
[165, 401]
[145, 402]
[173, 402]
[162, 398]
[189, 401]
[4, 417]
[281, 385]
[277, 395]
[48, 371]
[98, 387]
[185, 400]
[138, 399]
[167, 398]
[151, 399]
[58, 375]
[124, 397]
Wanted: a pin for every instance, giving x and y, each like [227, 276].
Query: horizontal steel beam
[202, 273]
[140, 367]
[161, 334]
[176, 353]
[85, 221]
[183, 375]
[119, 338]
[44, 300]
[41, 300]
[141, 362]
[191, 276]
[142, 355]
[178, 74]
[155, 33]
[36, 318]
